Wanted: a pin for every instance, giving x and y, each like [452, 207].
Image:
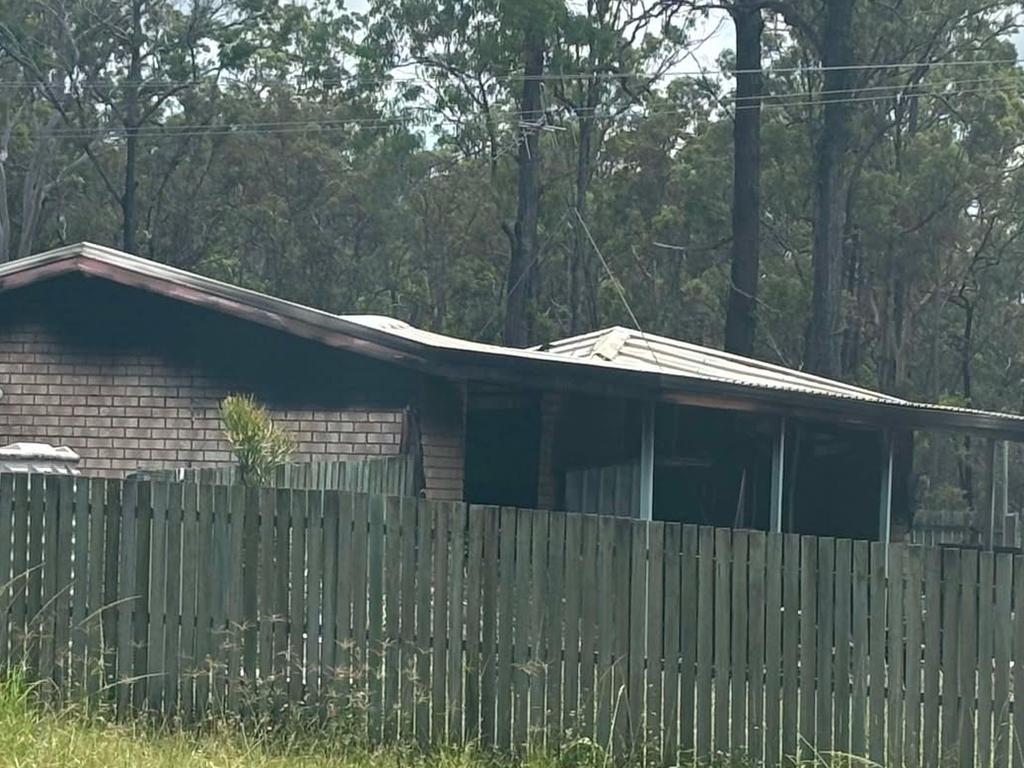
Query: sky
[720, 36]
[713, 35]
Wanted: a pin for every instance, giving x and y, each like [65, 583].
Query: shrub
[259, 445]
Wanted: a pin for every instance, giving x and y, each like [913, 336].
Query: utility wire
[885, 97]
[325, 125]
[611, 276]
[619, 289]
[767, 70]
[854, 91]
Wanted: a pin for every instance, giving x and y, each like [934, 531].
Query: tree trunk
[5, 214]
[518, 289]
[966, 382]
[5, 206]
[129, 205]
[741, 314]
[830, 211]
[852, 339]
[33, 197]
[583, 271]
[35, 186]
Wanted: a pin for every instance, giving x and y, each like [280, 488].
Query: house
[125, 360]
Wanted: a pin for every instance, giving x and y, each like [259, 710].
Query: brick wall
[122, 409]
[131, 379]
[442, 434]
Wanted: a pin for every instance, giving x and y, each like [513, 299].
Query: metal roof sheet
[645, 351]
[626, 349]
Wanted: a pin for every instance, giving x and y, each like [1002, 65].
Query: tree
[116, 70]
[830, 204]
[747, 17]
[523, 233]
[469, 50]
[741, 310]
[600, 71]
[561, 77]
[32, 161]
[42, 168]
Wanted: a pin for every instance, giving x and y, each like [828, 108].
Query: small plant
[259, 445]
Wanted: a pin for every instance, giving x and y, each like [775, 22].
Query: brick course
[119, 419]
[132, 379]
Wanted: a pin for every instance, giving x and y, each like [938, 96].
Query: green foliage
[258, 444]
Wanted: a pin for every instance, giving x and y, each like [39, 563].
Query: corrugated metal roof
[674, 365]
[646, 351]
[626, 349]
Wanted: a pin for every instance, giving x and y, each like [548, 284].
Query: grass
[34, 736]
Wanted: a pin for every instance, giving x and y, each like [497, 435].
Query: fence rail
[395, 475]
[442, 622]
[964, 528]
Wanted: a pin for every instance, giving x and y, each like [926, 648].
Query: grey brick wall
[442, 437]
[121, 409]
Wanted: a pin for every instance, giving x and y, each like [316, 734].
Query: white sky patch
[712, 36]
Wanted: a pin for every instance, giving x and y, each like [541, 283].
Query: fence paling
[442, 623]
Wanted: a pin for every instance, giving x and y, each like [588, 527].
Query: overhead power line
[242, 128]
[356, 79]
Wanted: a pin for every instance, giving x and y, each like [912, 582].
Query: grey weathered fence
[612, 490]
[395, 475]
[446, 623]
[964, 528]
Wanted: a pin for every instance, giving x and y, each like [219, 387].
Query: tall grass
[33, 735]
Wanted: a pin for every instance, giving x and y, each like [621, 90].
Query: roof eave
[247, 305]
[682, 390]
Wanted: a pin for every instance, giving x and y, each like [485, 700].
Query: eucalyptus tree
[606, 64]
[115, 71]
[861, 56]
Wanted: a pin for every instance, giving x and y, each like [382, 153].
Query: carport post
[778, 476]
[885, 501]
[1005, 496]
[1000, 501]
[993, 475]
[647, 463]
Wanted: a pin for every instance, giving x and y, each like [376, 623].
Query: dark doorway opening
[502, 455]
[835, 480]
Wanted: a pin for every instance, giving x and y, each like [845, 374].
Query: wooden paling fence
[438, 622]
[945, 527]
[394, 475]
[612, 490]
[964, 528]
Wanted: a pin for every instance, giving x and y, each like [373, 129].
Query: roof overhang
[456, 359]
[696, 392]
[94, 261]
